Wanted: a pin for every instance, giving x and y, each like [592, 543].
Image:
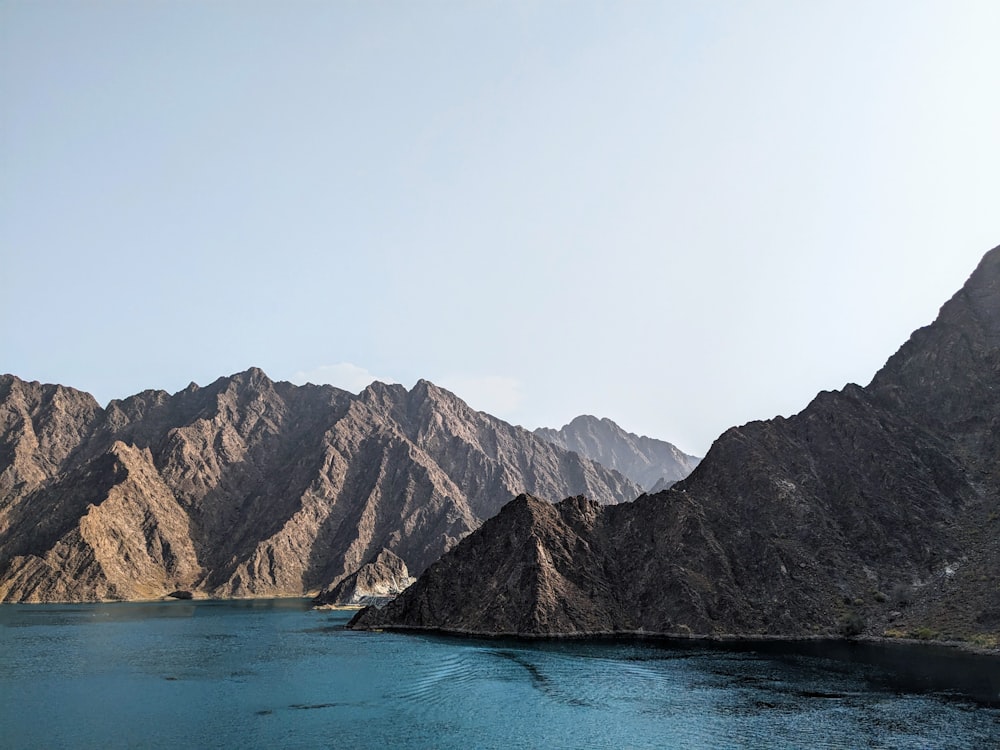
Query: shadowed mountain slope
[249, 487]
[873, 510]
[650, 463]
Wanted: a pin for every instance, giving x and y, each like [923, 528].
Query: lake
[277, 674]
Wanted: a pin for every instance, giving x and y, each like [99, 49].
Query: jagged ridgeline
[252, 488]
[874, 510]
[652, 464]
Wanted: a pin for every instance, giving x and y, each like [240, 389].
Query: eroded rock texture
[874, 510]
[376, 583]
[249, 487]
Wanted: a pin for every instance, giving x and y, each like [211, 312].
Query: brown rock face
[874, 509]
[248, 487]
[377, 582]
[41, 426]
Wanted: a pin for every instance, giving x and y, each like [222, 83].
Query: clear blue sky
[682, 216]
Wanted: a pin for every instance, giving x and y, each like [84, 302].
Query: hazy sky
[682, 216]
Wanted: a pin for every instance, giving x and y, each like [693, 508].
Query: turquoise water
[275, 674]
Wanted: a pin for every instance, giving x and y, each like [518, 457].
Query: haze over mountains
[248, 487]
[652, 464]
[874, 510]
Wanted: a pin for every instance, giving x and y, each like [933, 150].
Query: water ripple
[281, 677]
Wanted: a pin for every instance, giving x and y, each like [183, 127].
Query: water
[276, 674]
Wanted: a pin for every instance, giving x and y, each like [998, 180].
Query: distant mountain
[875, 510]
[652, 464]
[248, 487]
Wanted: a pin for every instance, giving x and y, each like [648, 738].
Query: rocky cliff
[875, 510]
[650, 463]
[249, 487]
[376, 583]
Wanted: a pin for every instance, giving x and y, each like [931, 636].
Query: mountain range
[875, 510]
[252, 488]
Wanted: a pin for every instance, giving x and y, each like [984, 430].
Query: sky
[683, 216]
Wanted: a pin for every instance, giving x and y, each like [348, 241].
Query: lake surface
[276, 674]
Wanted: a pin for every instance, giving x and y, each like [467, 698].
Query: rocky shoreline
[739, 639]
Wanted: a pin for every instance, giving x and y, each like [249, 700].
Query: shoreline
[691, 638]
[966, 647]
[339, 607]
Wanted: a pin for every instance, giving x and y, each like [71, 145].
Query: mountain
[251, 488]
[650, 463]
[875, 510]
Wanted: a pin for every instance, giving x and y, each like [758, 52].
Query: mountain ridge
[247, 487]
[873, 510]
[651, 463]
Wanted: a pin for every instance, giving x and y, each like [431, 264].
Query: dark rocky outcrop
[652, 464]
[375, 583]
[249, 487]
[535, 569]
[874, 510]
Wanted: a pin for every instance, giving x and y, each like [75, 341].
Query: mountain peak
[252, 376]
[425, 389]
[646, 461]
[945, 371]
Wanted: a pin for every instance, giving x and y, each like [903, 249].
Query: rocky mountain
[875, 510]
[249, 487]
[377, 582]
[652, 464]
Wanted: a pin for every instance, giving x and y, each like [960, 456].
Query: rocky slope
[249, 487]
[650, 463]
[376, 583]
[875, 510]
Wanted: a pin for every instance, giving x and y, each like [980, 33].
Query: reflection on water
[277, 674]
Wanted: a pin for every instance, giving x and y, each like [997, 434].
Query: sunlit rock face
[252, 488]
[874, 510]
[375, 583]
